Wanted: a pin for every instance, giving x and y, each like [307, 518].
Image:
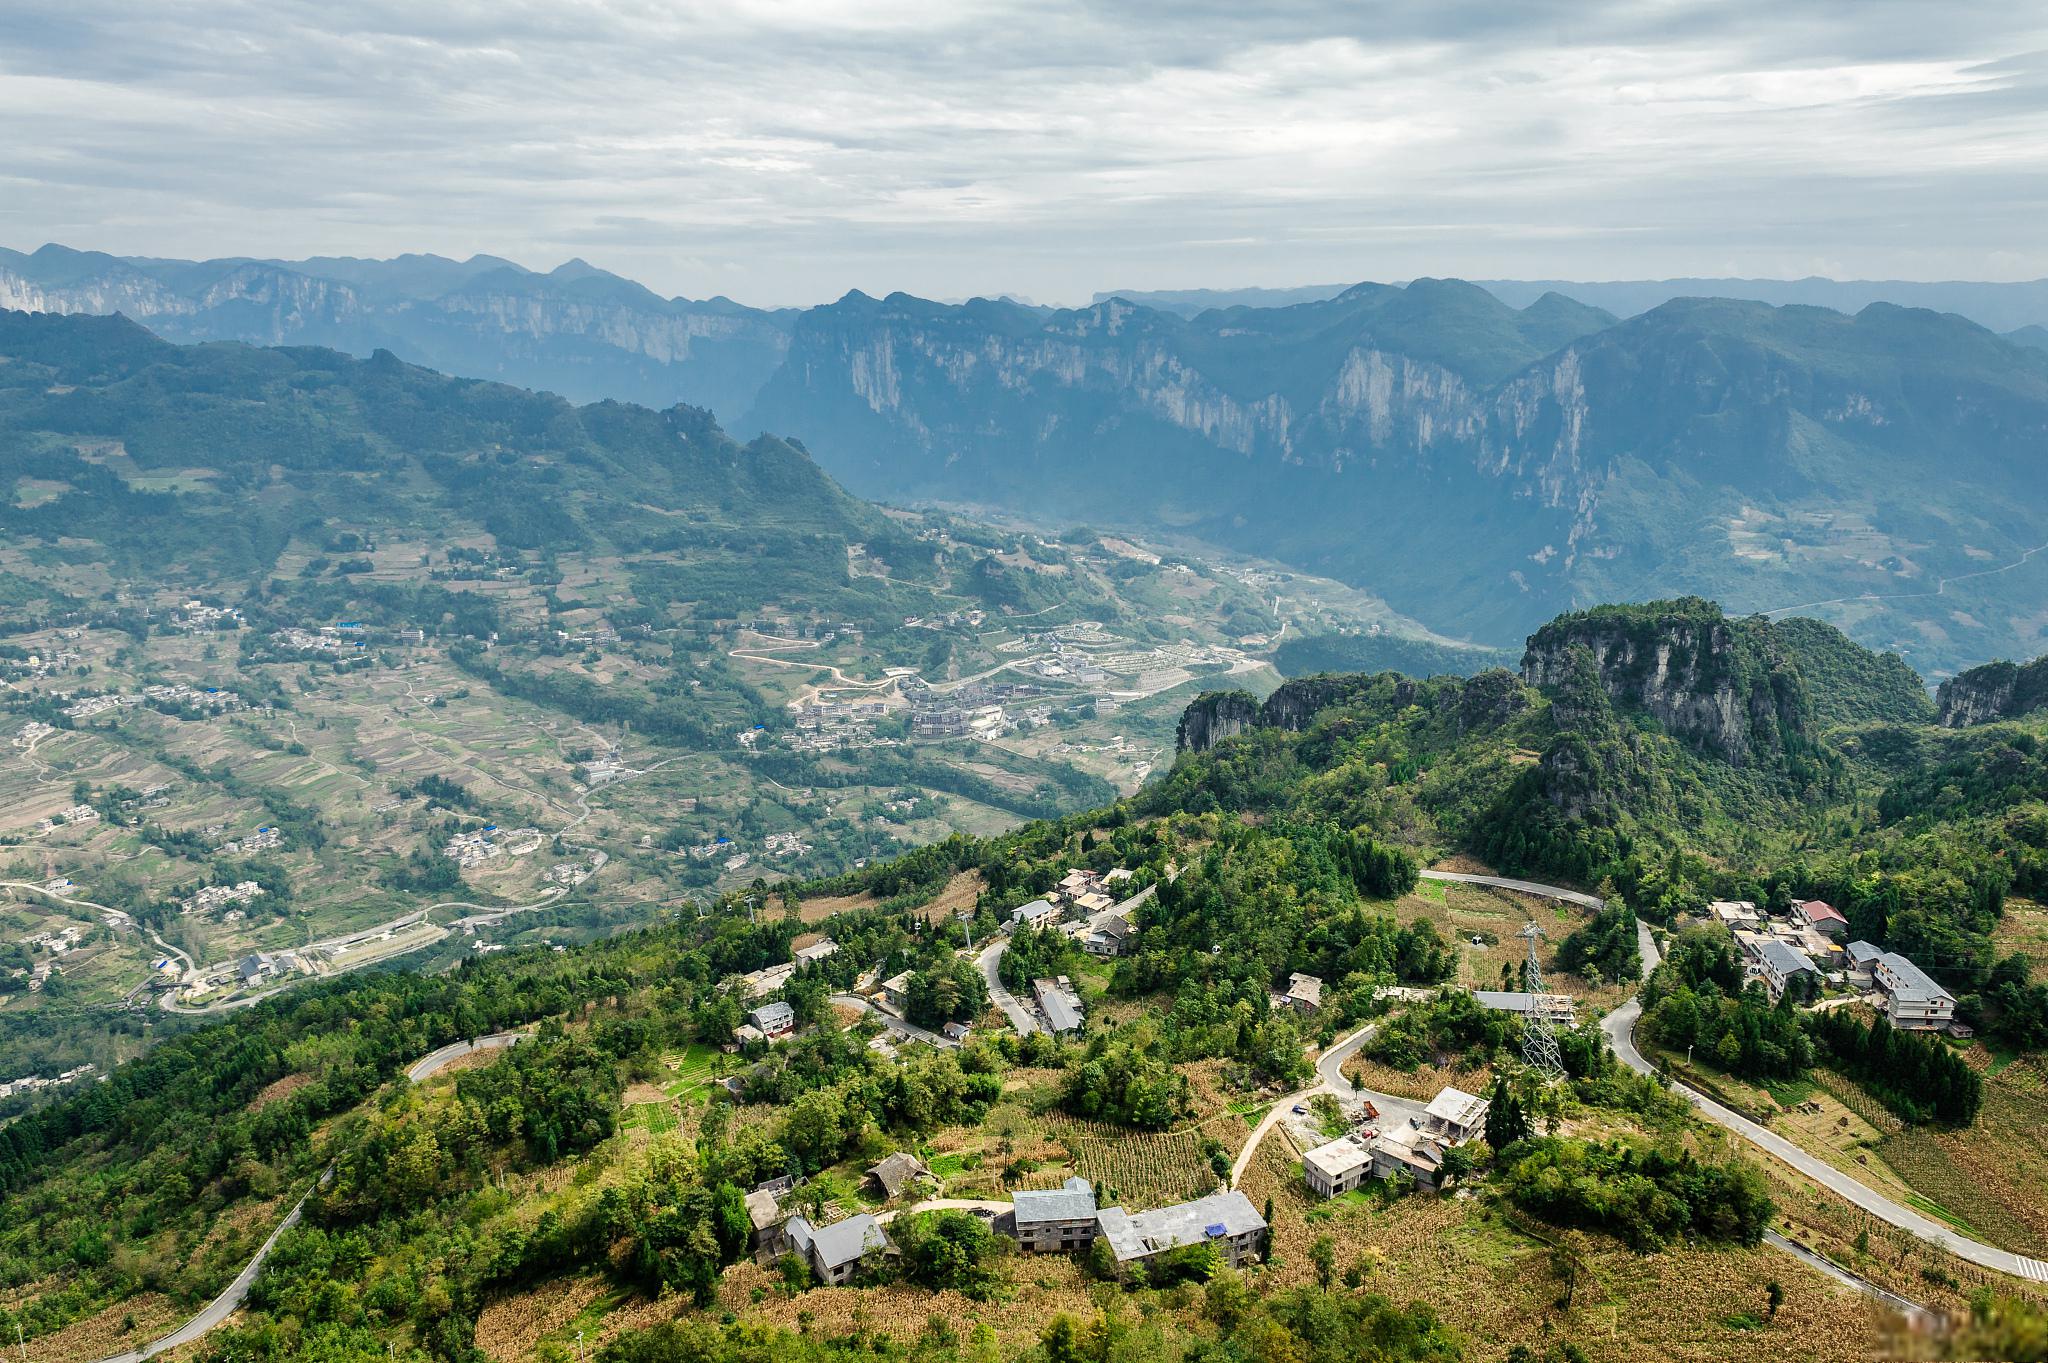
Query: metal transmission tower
[1539, 1039]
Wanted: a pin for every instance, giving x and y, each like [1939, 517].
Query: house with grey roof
[1037, 914]
[1060, 1004]
[1779, 963]
[815, 952]
[1227, 1221]
[1911, 998]
[1859, 960]
[1304, 993]
[1055, 1220]
[837, 1252]
[774, 1019]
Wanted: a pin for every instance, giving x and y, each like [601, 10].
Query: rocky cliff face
[1213, 717]
[1995, 691]
[1709, 681]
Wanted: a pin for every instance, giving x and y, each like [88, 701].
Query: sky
[784, 152]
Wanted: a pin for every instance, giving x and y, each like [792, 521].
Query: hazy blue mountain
[1192, 302]
[2034, 336]
[1483, 467]
[576, 330]
[2000, 307]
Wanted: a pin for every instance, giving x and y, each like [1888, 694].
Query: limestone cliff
[1995, 691]
[1214, 716]
[1719, 685]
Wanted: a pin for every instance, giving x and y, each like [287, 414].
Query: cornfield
[1139, 1168]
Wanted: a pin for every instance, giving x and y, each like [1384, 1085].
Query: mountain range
[2018, 309]
[1482, 464]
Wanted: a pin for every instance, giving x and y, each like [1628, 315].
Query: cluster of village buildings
[76, 814]
[263, 839]
[39, 664]
[484, 844]
[827, 725]
[210, 698]
[1811, 942]
[214, 898]
[1413, 1148]
[196, 615]
[1062, 1220]
[29, 1083]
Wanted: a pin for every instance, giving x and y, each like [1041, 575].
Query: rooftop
[1457, 1107]
[1820, 911]
[1073, 1202]
[1914, 984]
[1786, 960]
[1338, 1158]
[840, 1243]
[1217, 1216]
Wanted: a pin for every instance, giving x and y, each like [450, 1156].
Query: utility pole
[1539, 1039]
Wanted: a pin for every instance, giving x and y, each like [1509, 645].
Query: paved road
[1584, 901]
[427, 1066]
[901, 1026]
[990, 960]
[1620, 1028]
[230, 1300]
[1910, 1309]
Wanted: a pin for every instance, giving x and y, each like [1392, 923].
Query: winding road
[231, 1298]
[1619, 1028]
[990, 962]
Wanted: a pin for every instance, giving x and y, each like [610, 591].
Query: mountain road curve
[231, 1298]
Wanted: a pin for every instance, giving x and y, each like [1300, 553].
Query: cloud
[786, 151]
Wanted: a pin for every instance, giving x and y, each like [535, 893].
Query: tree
[1507, 1120]
[1774, 1296]
[1322, 1254]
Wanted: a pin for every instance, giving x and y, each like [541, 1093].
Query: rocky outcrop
[1712, 682]
[1214, 716]
[1995, 691]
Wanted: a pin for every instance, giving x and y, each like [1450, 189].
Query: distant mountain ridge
[577, 330]
[2002, 307]
[1483, 466]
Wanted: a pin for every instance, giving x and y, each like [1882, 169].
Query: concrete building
[1911, 999]
[1735, 913]
[1228, 1221]
[1823, 917]
[1455, 1116]
[1336, 1168]
[774, 1019]
[1779, 963]
[1860, 962]
[1056, 1220]
[836, 1252]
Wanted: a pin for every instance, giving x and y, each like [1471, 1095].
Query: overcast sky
[785, 152]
